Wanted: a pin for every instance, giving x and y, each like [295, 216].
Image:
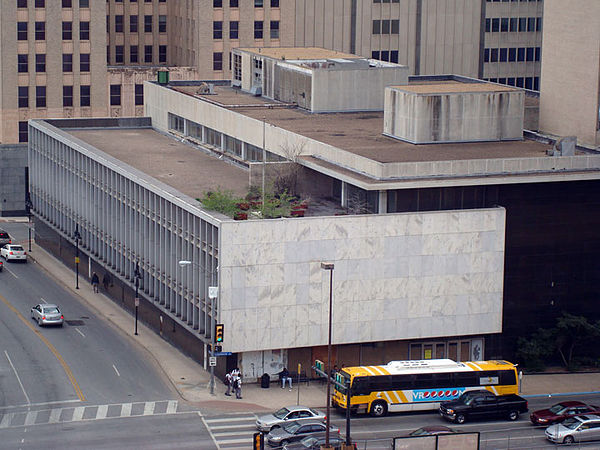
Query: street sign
[137, 301]
[222, 353]
[213, 292]
[212, 361]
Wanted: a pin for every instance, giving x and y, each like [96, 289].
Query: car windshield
[282, 413]
[419, 432]
[16, 248]
[291, 427]
[309, 441]
[52, 310]
[571, 423]
[557, 409]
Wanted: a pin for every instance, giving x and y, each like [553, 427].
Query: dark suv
[4, 238]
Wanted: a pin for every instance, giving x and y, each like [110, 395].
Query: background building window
[119, 54]
[274, 29]
[23, 63]
[148, 24]
[274, 3]
[23, 96]
[376, 27]
[84, 3]
[162, 53]
[148, 53]
[217, 3]
[133, 54]
[258, 3]
[258, 29]
[162, 24]
[40, 62]
[22, 31]
[139, 94]
[84, 95]
[115, 95]
[233, 29]
[218, 61]
[23, 131]
[67, 96]
[67, 3]
[133, 24]
[21, 3]
[40, 31]
[67, 31]
[67, 62]
[84, 31]
[234, 4]
[217, 29]
[84, 62]
[119, 23]
[40, 96]
[40, 3]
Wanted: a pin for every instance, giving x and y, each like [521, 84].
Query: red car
[560, 412]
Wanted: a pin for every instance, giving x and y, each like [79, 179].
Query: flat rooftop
[181, 166]
[299, 53]
[454, 87]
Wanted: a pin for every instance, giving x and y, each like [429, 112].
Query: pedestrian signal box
[259, 441]
[219, 332]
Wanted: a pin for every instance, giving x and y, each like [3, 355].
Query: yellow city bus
[420, 385]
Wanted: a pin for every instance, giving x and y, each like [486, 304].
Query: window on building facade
[234, 4]
[40, 3]
[84, 95]
[233, 29]
[394, 56]
[514, 24]
[115, 95]
[385, 26]
[67, 62]
[23, 96]
[274, 29]
[23, 131]
[512, 54]
[162, 24]
[133, 54]
[67, 96]
[258, 3]
[377, 27]
[148, 53]
[531, 24]
[237, 67]
[133, 24]
[494, 55]
[22, 31]
[119, 54]
[258, 29]
[84, 62]
[217, 29]
[503, 57]
[162, 53]
[522, 24]
[40, 31]
[119, 23]
[274, 3]
[520, 55]
[375, 54]
[84, 31]
[218, 61]
[67, 3]
[395, 26]
[217, 3]
[148, 24]
[23, 63]
[40, 96]
[21, 3]
[67, 31]
[40, 62]
[139, 94]
[84, 3]
[108, 54]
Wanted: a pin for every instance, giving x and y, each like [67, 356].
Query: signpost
[212, 361]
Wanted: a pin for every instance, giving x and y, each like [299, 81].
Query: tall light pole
[137, 298]
[29, 205]
[76, 236]
[329, 266]
[213, 322]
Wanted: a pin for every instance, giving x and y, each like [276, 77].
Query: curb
[561, 394]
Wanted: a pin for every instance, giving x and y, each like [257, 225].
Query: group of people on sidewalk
[233, 381]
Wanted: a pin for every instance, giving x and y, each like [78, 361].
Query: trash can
[265, 380]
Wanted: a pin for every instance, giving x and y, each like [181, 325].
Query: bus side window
[402, 382]
[442, 380]
[424, 381]
[466, 379]
[508, 377]
[382, 383]
[360, 386]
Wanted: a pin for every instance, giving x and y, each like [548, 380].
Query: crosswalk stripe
[229, 427]
[172, 407]
[149, 408]
[6, 420]
[231, 433]
[126, 409]
[30, 418]
[236, 441]
[102, 411]
[78, 413]
[231, 419]
[54, 415]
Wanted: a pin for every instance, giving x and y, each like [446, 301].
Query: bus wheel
[379, 409]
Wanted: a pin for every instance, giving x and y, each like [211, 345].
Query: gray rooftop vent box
[256, 91]
[565, 146]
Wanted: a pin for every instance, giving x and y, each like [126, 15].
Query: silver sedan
[47, 314]
[286, 415]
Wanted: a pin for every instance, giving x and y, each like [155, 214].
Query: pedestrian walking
[95, 282]
[284, 376]
[237, 386]
[228, 383]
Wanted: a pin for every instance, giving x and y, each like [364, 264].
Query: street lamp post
[184, 263]
[137, 298]
[29, 205]
[76, 236]
[329, 266]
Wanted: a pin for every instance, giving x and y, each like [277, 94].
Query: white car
[13, 252]
[289, 414]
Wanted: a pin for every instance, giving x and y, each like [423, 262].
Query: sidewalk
[191, 380]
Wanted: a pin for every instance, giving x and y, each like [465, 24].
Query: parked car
[431, 430]
[561, 411]
[47, 314]
[296, 431]
[13, 252]
[288, 414]
[482, 404]
[575, 429]
[1, 266]
[4, 238]
[314, 442]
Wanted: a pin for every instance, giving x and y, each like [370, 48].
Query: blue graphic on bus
[436, 395]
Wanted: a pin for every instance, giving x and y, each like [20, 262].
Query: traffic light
[259, 441]
[219, 332]
[320, 368]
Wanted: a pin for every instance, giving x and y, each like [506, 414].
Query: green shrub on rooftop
[221, 201]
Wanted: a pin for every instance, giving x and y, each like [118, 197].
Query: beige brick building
[83, 58]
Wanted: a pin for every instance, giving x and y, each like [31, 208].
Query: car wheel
[513, 415]
[568, 440]
[460, 418]
[379, 409]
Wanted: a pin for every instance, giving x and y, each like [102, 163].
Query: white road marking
[18, 379]
[230, 419]
[30, 418]
[172, 407]
[77, 329]
[115, 367]
[11, 272]
[78, 413]
[54, 415]
[230, 427]
[149, 408]
[6, 420]
[212, 436]
[43, 301]
[126, 410]
[102, 410]
[41, 404]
